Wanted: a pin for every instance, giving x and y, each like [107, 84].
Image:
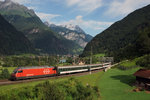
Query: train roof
[60, 67]
[34, 67]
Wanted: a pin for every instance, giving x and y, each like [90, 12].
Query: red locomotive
[33, 72]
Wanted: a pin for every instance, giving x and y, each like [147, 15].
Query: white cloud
[31, 7]
[88, 24]
[47, 17]
[84, 5]
[122, 8]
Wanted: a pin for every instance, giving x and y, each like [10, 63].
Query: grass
[117, 85]
[90, 79]
[99, 55]
[128, 63]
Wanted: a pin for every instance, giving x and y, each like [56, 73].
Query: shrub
[144, 61]
[71, 89]
[76, 91]
[96, 89]
[5, 74]
[48, 91]
[125, 67]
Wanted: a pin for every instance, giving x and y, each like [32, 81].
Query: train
[45, 71]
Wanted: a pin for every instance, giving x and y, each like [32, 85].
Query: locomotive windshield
[15, 71]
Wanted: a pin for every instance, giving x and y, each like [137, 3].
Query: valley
[91, 50]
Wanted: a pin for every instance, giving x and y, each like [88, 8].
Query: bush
[71, 89]
[125, 67]
[48, 91]
[5, 74]
[96, 89]
[26, 93]
[127, 64]
[76, 91]
[144, 61]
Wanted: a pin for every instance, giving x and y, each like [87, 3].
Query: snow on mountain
[6, 3]
[71, 32]
[73, 28]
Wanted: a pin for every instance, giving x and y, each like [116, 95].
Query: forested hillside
[12, 41]
[42, 38]
[127, 38]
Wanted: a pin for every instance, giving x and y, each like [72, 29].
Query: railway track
[8, 82]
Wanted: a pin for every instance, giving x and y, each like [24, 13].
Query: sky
[93, 16]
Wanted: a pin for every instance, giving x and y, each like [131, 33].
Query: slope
[12, 41]
[126, 38]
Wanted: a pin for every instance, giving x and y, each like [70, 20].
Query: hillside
[43, 39]
[71, 32]
[126, 38]
[12, 41]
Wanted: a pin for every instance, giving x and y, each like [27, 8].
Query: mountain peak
[46, 23]
[7, 3]
[71, 32]
[73, 28]
[49, 25]
[9, 6]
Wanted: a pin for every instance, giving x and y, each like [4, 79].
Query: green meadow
[115, 84]
[118, 85]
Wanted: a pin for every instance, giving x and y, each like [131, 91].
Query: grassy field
[117, 85]
[114, 84]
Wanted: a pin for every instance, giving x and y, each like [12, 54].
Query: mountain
[127, 38]
[71, 32]
[73, 28]
[42, 38]
[12, 41]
